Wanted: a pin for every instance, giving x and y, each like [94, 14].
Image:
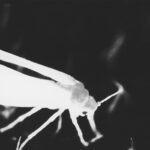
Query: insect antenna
[119, 92]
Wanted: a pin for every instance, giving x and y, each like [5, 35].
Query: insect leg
[44, 125]
[18, 143]
[20, 119]
[80, 134]
[98, 135]
[59, 124]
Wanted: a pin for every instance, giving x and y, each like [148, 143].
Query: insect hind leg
[34, 133]
[20, 119]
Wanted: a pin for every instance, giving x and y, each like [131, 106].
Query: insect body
[66, 93]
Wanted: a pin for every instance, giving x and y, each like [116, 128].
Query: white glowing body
[67, 93]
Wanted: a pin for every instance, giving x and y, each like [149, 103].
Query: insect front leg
[80, 134]
[20, 119]
[44, 125]
[98, 135]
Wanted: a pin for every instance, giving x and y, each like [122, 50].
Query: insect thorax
[79, 93]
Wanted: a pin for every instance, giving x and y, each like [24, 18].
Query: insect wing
[46, 71]
[20, 90]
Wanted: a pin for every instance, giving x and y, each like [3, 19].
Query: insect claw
[98, 136]
[85, 143]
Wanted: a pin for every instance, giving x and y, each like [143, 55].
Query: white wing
[56, 75]
[20, 90]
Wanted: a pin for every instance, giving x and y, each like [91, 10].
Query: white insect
[65, 93]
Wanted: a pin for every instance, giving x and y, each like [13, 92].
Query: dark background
[74, 37]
